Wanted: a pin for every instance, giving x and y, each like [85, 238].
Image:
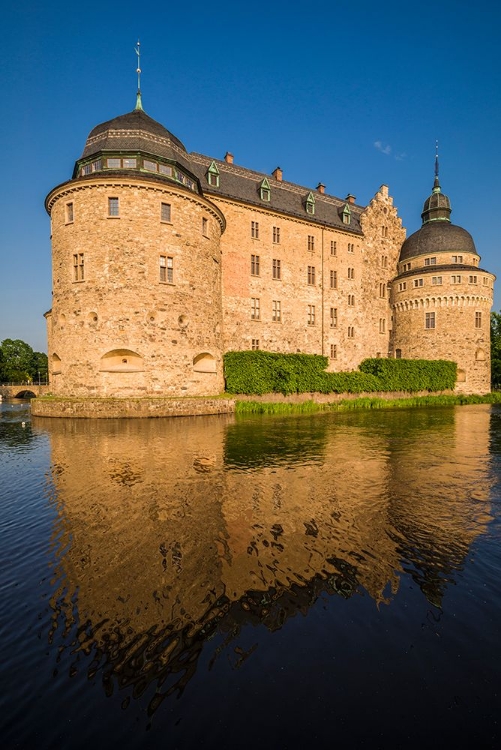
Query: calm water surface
[319, 581]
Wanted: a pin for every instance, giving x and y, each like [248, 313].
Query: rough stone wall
[359, 270]
[383, 238]
[459, 334]
[156, 329]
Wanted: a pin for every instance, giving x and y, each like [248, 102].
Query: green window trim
[213, 175]
[310, 204]
[265, 190]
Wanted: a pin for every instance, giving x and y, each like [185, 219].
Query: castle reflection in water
[172, 530]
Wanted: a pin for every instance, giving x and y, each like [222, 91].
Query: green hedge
[258, 372]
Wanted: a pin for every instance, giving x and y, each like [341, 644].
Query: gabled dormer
[213, 175]
[265, 190]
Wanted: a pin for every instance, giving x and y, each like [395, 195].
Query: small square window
[418, 282]
[255, 344]
[436, 280]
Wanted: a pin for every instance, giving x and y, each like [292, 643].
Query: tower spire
[139, 104]
[436, 184]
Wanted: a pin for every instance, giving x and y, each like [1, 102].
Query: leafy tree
[17, 360]
[39, 367]
[496, 350]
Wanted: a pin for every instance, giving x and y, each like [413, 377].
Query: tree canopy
[19, 363]
[496, 350]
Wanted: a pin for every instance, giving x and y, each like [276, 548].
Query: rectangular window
[333, 317]
[311, 315]
[213, 179]
[485, 281]
[407, 267]
[165, 212]
[430, 261]
[311, 243]
[255, 230]
[113, 163]
[276, 311]
[167, 269]
[382, 325]
[473, 279]
[255, 265]
[333, 279]
[113, 207]
[129, 163]
[205, 227]
[478, 320]
[255, 308]
[276, 235]
[78, 267]
[351, 273]
[277, 269]
[398, 354]
[151, 166]
[311, 274]
[69, 213]
[164, 169]
[351, 332]
[457, 258]
[351, 247]
[333, 351]
[429, 321]
[436, 280]
[255, 344]
[402, 286]
[418, 282]
[351, 300]
[382, 289]
[333, 247]
[384, 261]
[456, 279]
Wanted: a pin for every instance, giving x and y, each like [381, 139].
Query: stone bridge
[23, 390]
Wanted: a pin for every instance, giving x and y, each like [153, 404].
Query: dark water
[263, 582]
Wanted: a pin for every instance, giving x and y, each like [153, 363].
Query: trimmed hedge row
[258, 372]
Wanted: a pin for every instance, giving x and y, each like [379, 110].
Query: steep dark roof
[135, 131]
[437, 237]
[241, 184]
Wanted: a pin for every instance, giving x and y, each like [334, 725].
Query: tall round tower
[136, 265]
[441, 298]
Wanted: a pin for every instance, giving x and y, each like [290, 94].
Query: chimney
[277, 174]
[350, 198]
[321, 188]
[228, 158]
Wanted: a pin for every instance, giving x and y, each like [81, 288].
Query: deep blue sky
[353, 95]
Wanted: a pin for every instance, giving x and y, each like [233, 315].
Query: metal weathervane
[137, 50]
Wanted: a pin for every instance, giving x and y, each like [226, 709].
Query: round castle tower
[441, 298]
[137, 306]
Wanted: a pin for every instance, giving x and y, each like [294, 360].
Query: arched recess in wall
[56, 364]
[461, 376]
[204, 362]
[121, 360]
[480, 355]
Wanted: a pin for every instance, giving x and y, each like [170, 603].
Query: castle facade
[164, 260]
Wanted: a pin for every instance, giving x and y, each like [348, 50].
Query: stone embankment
[116, 408]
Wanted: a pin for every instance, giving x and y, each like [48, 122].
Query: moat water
[223, 582]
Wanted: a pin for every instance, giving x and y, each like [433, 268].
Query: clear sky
[350, 94]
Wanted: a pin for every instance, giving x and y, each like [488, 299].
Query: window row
[255, 269]
[430, 320]
[140, 163]
[276, 313]
[432, 261]
[114, 212]
[438, 281]
[255, 232]
[166, 268]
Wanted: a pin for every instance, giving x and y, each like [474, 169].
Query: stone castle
[164, 260]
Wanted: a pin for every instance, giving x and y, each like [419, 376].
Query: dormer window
[346, 214]
[310, 204]
[264, 190]
[213, 175]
